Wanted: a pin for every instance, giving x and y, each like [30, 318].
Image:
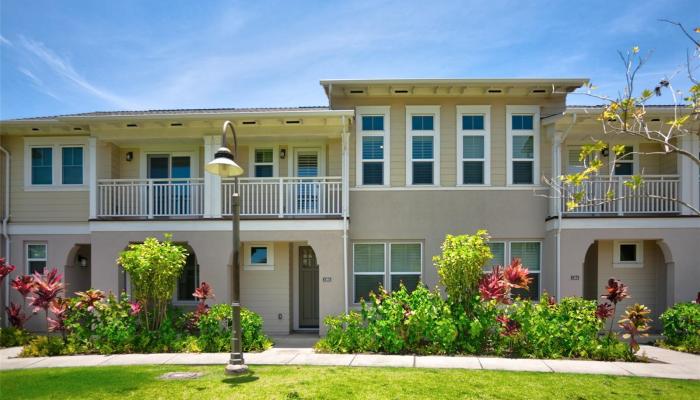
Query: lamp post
[224, 165]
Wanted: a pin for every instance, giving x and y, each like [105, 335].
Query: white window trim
[488, 268]
[388, 261]
[634, 161]
[509, 258]
[248, 264]
[56, 144]
[26, 255]
[639, 263]
[435, 133]
[384, 111]
[535, 133]
[486, 133]
[386, 274]
[275, 158]
[145, 152]
[607, 160]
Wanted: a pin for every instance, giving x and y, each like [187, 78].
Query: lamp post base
[232, 369]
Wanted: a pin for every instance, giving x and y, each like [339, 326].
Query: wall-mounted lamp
[605, 152]
[283, 153]
[129, 155]
[82, 261]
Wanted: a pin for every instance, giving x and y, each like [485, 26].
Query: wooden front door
[308, 288]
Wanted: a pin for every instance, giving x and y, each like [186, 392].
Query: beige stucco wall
[679, 248]
[448, 133]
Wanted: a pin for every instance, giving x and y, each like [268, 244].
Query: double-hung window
[263, 162]
[387, 265]
[624, 164]
[473, 145]
[423, 145]
[530, 254]
[57, 163]
[37, 258]
[523, 129]
[498, 250]
[373, 146]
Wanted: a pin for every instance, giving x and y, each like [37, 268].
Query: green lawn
[292, 382]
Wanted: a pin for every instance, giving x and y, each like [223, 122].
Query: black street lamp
[224, 165]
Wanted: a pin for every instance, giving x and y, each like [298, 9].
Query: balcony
[654, 197]
[288, 197]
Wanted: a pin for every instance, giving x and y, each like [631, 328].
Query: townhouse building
[340, 199]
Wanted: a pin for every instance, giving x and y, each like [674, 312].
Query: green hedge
[682, 327]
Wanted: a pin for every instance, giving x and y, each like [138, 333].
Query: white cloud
[5, 41]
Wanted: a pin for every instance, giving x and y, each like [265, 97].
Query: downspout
[346, 197]
[5, 219]
[559, 206]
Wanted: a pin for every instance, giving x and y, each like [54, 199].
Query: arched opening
[78, 269]
[189, 278]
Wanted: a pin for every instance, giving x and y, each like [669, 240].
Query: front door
[307, 190]
[308, 288]
[170, 197]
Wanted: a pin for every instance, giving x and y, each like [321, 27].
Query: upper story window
[56, 163]
[264, 163]
[473, 145]
[423, 145]
[523, 144]
[624, 164]
[373, 146]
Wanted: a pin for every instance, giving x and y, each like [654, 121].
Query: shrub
[11, 337]
[681, 327]
[153, 267]
[460, 265]
[45, 346]
[347, 333]
[215, 330]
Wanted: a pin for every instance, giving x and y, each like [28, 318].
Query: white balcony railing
[150, 197]
[283, 197]
[655, 196]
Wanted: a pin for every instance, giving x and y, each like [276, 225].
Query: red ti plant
[59, 307]
[510, 327]
[47, 287]
[15, 315]
[5, 269]
[135, 308]
[24, 284]
[603, 311]
[616, 291]
[635, 322]
[516, 275]
[493, 286]
[201, 293]
[89, 298]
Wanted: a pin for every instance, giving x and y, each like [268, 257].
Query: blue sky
[78, 56]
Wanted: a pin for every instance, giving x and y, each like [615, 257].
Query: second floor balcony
[282, 197]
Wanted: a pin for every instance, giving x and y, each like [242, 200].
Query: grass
[297, 382]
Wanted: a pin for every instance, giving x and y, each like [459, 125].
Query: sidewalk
[669, 364]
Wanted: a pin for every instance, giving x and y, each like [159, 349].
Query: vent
[131, 126]
[400, 91]
[176, 124]
[249, 122]
[357, 91]
[494, 91]
[77, 128]
[292, 122]
[35, 129]
[539, 90]
[656, 120]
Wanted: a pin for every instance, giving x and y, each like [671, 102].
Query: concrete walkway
[668, 364]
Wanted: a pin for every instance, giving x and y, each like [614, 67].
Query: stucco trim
[221, 225]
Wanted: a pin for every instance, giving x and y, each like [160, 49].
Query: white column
[212, 183]
[556, 138]
[688, 170]
[92, 165]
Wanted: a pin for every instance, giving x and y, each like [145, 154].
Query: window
[473, 145]
[373, 146]
[189, 279]
[36, 257]
[368, 269]
[628, 254]
[423, 145]
[523, 144]
[624, 165]
[370, 261]
[406, 265]
[574, 164]
[42, 165]
[259, 256]
[530, 255]
[72, 165]
[264, 163]
[56, 163]
[498, 250]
